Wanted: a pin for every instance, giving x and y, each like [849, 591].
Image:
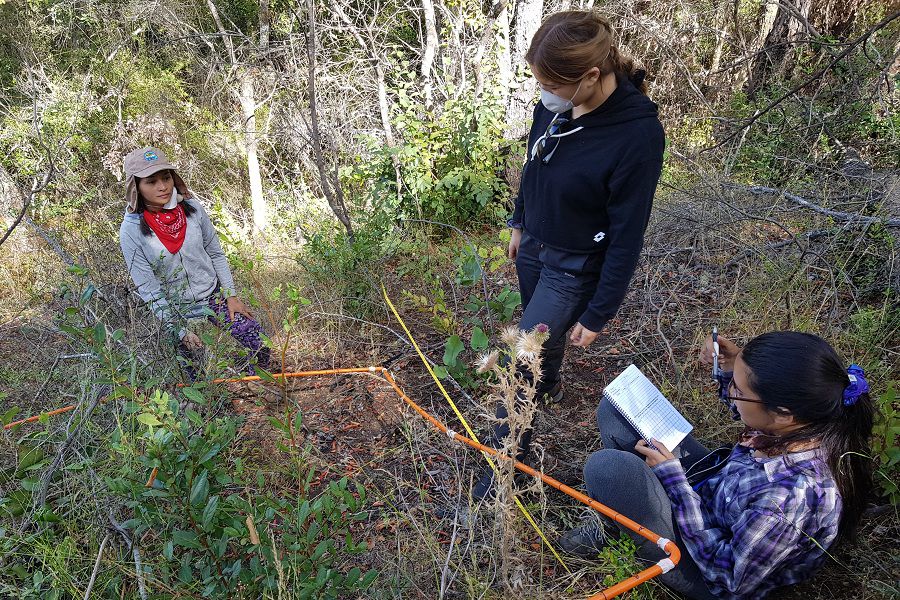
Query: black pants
[556, 297]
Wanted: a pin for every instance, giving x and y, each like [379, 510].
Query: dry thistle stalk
[517, 394]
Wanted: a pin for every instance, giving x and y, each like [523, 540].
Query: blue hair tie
[857, 386]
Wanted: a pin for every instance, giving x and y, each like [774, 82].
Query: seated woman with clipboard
[767, 513]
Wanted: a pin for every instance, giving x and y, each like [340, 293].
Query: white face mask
[558, 105]
[173, 201]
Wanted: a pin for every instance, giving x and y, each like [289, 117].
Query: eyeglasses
[729, 399]
[546, 145]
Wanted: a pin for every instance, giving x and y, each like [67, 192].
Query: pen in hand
[715, 341]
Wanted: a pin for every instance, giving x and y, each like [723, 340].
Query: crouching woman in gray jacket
[174, 257]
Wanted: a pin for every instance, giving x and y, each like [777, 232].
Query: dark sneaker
[586, 540]
[484, 487]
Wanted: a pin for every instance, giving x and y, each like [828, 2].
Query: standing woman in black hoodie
[593, 160]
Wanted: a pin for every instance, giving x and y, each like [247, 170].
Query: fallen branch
[64, 448]
[142, 587]
[759, 190]
[809, 235]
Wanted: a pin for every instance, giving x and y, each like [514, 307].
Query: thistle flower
[510, 335]
[529, 346]
[487, 361]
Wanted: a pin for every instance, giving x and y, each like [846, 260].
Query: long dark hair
[570, 43]
[802, 374]
[189, 209]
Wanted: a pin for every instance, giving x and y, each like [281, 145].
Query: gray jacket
[176, 285]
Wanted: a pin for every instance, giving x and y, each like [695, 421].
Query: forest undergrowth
[334, 472]
[347, 151]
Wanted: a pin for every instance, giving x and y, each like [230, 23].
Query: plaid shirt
[758, 523]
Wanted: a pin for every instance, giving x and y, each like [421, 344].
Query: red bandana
[169, 226]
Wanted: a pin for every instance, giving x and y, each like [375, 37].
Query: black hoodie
[593, 197]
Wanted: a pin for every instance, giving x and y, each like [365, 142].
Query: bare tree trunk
[518, 111]
[431, 44]
[782, 23]
[265, 17]
[247, 99]
[226, 39]
[504, 58]
[332, 190]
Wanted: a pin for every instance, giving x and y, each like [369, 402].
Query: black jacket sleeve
[631, 198]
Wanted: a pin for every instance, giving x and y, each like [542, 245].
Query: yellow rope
[465, 424]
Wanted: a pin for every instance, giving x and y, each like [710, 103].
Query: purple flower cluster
[245, 330]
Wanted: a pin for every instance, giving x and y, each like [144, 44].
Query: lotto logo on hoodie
[150, 155]
[599, 237]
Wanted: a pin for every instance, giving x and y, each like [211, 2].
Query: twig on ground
[809, 235]
[90, 585]
[97, 393]
[139, 574]
[49, 377]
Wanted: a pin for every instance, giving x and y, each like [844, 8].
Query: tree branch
[35, 188]
[815, 76]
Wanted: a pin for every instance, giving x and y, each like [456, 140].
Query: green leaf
[452, 350]
[441, 372]
[9, 415]
[368, 578]
[352, 576]
[45, 515]
[149, 419]
[30, 484]
[186, 539]
[193, 395]
[209, 512]
[200, 489]
[279, 425]
[100, 333]
[264, 375]
[87, 293]
[210, 453]
[29, 455]
[121, 391]
[479, 339]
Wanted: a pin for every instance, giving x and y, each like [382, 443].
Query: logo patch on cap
[150, 155]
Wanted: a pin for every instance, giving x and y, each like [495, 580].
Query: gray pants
[619, 478]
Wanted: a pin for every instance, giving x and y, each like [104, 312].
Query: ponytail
[623, 66]
[845, 442]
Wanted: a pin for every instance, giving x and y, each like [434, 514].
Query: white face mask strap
[577, 89]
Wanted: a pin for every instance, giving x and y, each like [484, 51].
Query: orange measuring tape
[668, 546]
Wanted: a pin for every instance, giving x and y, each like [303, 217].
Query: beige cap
[144, 162]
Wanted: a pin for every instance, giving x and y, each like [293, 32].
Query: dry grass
[706, 262]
